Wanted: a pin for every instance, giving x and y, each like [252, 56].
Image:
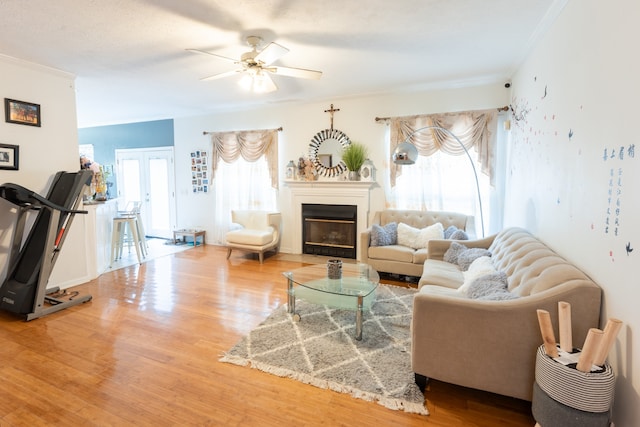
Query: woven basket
[585, 391]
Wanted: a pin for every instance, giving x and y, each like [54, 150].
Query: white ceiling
[131, 64]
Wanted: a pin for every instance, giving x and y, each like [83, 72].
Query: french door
[146, 175]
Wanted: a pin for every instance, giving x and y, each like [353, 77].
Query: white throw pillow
[417, 238]
[479, 267]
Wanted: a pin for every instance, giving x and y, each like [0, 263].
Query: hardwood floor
[145, 351]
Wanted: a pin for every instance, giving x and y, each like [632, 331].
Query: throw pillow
[417, 238]
[487, 284]
[465, 258]
[462, 256]
[384, 235]
[459, 235]
[449, 231]
[455, 249]
[498, 296]
[478, 268]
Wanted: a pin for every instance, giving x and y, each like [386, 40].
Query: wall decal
[615, 185]
[519, 112]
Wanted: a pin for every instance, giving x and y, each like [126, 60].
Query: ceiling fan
[256, 66]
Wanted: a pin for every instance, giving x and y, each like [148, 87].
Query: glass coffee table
[355, 290]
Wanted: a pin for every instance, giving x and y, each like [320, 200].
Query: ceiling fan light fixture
[256, 67]
[246, 81]
[260, 84]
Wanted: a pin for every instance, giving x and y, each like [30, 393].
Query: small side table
[194, 233]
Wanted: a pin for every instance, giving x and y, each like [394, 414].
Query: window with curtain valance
[442, 178]
[244, 171]
[475, 129]
[251, 145]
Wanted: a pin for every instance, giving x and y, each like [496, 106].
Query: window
[442, 182]
[245, 174]
[241, 185]
[443, 177]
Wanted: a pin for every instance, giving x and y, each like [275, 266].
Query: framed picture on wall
[22, 113]
[9, 157]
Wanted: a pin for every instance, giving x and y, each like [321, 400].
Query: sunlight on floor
[157, 248]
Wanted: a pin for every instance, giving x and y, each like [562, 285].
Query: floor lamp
[406, 154]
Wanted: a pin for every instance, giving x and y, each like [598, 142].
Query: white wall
[43, 151]
[356, 118]
[582, 78]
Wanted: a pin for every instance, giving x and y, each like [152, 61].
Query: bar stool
[133, 209]
[127, 229]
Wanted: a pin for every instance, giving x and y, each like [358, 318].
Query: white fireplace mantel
[328, 193]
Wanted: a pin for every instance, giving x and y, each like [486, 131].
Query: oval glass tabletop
[356, 280]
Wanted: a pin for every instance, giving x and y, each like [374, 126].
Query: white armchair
[256, 231]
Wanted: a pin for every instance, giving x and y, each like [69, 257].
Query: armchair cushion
[254, 231]
[250, 237]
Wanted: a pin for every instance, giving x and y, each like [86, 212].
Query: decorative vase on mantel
[353, 156]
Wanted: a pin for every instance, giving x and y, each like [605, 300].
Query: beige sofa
[402, 259]
[491, 345]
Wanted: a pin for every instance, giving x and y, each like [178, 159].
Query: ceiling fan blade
[296, 72]
[271, 53]
[221, 75]
[204, 52]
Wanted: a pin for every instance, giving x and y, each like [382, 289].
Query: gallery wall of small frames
[200, 171]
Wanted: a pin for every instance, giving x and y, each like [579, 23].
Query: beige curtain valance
[251, 145]
[475, 129]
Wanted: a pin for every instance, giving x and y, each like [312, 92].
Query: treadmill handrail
[32, 195]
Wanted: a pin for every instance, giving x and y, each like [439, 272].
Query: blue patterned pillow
[459, 235]
[449, 231]
[384, 235]
[454, 233]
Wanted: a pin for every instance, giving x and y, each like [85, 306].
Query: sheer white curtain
[246, 175]
[441, 182]
[442, 178]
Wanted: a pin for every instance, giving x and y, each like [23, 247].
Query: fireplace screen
[329, 230]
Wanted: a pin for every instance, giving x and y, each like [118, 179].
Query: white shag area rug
[321, 349]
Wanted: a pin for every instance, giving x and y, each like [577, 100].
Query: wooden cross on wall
[331, 111]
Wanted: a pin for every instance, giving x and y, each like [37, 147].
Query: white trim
[36, 67]
[329, 193]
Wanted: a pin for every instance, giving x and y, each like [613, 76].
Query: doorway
[147, 175]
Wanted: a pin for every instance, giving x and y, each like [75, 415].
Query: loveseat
[490, 343]
[401, 259]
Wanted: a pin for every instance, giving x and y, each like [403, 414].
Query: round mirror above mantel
[325, 152]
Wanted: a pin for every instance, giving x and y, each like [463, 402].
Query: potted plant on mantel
[353, 156]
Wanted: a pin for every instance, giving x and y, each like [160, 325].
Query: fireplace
[329, 230]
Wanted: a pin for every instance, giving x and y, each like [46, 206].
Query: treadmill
[24, 290]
